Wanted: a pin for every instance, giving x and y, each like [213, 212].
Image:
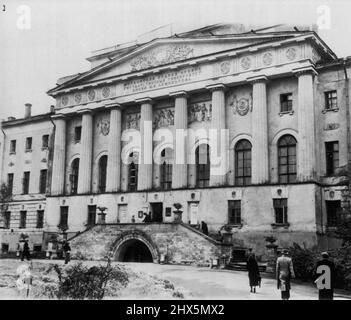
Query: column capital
[112, 106]
[215, 87]
[85, 111]
[58, 116]
[257, 79]
[305, 70]
[177, 94]
[144, 100]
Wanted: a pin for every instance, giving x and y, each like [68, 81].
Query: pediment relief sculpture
[200, 111]
[163, 118]
[132, 121]
[161, 56]
[240, 105]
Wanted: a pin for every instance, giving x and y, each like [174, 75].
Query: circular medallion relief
[245, 63]
[78, 97]
[225, 67]
[106, 92]
[64, 100]
[267, 58]
[91, 94]
[291, 53]
[243, 106]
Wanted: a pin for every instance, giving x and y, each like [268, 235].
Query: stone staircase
[173, 242]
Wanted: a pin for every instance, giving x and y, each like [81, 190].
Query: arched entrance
[134, 250]
[135, 246]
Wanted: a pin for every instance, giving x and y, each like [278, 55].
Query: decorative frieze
[132, 121]
[200, 111]
[162, 55]
[163, 118]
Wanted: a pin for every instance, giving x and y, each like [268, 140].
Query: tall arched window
[166, 169]
[287, 159]
[74, 176]
[102, 173]
[243, 163]
[132, 172]
[202, 158]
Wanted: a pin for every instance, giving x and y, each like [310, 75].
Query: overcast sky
[63, 33]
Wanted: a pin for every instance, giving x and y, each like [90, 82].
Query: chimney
[27, 110]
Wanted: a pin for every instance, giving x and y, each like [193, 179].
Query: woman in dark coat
[254, 273]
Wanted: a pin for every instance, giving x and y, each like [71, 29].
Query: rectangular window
[12, 146]
[25, 182]
[91, 215]
[63, 218]
[234, 211]
[331, 101]
[77, 134]
[43, 177]
[40, 219]
[286, 102]
[281, 210]
[23, 219]
[7, 220]
[10, 182]
[45, 141]
[28, 144]
[333, 208]
[332, 156]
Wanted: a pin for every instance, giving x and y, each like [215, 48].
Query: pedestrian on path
[285, 272]
[67, 251]
[25, 252]
[325, 268]
[254, 273]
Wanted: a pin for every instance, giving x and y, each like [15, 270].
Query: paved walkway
[205, 283]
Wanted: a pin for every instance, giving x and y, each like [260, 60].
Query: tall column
[219, 152]
[86, 153]
[260, 169]
[113, 181]
[145, 164]
[305, 117]
[58, 166]
[180, 163]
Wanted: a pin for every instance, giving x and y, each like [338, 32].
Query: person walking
[254, 273]
[204, 228]
[67, 251]
[26, 251]
[285, 272]
[326, 288]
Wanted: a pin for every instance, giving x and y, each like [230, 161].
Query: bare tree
[5, 198]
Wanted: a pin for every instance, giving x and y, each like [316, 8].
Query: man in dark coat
[254, 273]
[204, 228]
[325, 286]
[67, 250]
[25, 253]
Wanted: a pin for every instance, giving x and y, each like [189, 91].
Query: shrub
[82, 282]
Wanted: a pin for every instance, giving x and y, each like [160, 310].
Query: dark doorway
[157, 212]
[134, 251]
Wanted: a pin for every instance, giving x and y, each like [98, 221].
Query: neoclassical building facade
[246, 129]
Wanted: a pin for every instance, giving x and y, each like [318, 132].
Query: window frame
[332, 157]
[133, 168]
[77, 134]
[332, 222]
[25, 182]
[286, 104]
[40, 219]
[64, 217]
[23, 219]
[280, 206]
[42, 181]
[10, 181]
[234, 212]
[13, 145]
[331, 102]
[45, 141]
[7, 219]
[203, 170]
[74, 176]
[291, 176]
[29, 144]
[102, 173]
[241, 157]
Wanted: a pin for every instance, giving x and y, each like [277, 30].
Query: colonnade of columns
[260, 168]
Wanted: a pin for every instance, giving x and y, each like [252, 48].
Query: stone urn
[177, 212]
[102, 215]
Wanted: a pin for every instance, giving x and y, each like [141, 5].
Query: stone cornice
[305, 70]
[257, 79]
[215, 87]
[114, 105]
[85, 111]
[177, 94]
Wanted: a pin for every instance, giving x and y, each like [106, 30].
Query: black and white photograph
[175, 151]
